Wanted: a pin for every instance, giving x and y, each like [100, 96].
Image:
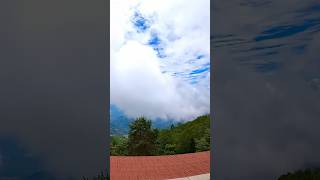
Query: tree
[185, 142]
[169, 149]
[142, 138]
[203, 143]
[119, 146]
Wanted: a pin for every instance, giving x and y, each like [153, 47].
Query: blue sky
[160, 58]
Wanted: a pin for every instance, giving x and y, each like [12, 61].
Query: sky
[160, 58]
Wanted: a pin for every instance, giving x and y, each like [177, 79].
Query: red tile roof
[159, 167]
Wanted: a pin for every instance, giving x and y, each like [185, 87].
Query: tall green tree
[142, 138]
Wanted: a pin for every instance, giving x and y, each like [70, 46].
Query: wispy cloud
[160, 58]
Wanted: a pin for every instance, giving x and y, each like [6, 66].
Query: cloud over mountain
[160, 59]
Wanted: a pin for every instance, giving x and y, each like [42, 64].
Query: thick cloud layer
[160, 58]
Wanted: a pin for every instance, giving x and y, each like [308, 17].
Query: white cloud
[142, 83]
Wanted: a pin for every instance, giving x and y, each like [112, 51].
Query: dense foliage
[309, 174]
[119, 145]
[189, 137]
[142, 138]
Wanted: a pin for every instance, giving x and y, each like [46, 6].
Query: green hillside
[189, 137]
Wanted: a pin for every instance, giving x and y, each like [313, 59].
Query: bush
[119, 146]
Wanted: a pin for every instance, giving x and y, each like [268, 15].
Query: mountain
[188, 137]
[119, 122]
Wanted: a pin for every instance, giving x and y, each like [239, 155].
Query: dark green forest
[308, 174]
[143, 139]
